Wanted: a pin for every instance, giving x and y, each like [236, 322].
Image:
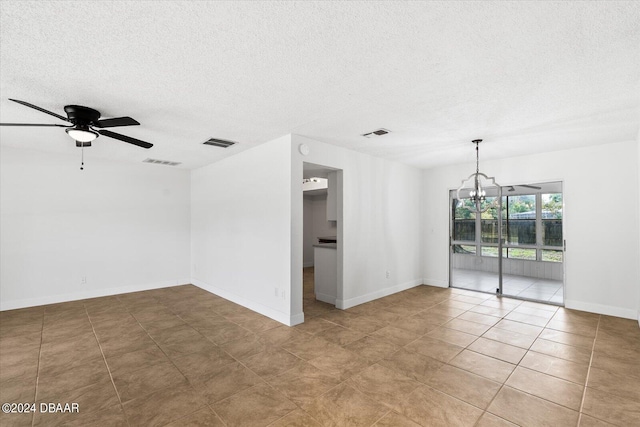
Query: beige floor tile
[344, 406]
[304, 383]
[271, 362]
[247, 347]
[547, 387]
[527, 319]
[383, 385]
[203, 417]
[577, 328]
[588, 421]
[147, 380]
[498, 350]
[195, 365]
[490, 420]
[431, 407]
[372, 348]
[397, 336]
[467, 326]
[314, 326]
[614, 409]
[452, 336]
[561, 368]
[113, 416]
[411, 364]
[163, 406]
[415, 324]
[340, 363]
[393, 419]
[363, 324]
[225, 381]
[477, 317]
[485, 366]
[575, 354]
[257, 406]
[526, 410]
[567, 338]
[619, 382]
[309, 347]
[508, 337]
[464, 385]
[385, 352]
[134, 360]
[521, 328]
[297, 418]
[340, 335]
[435, 348]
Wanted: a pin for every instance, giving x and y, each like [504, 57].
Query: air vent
[376, 133]
[161, 162]
[222, 143]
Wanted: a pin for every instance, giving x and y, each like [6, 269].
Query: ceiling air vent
[375, 133]
[222, 143]
[161, 162]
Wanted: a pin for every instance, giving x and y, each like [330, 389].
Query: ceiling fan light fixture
[81, 133]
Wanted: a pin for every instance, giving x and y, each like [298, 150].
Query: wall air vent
[161, 162]
[216, 142]
[376, 133]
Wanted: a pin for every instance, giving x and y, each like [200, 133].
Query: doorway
[322, 232]
[515, 249]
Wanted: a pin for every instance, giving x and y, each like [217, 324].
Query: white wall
[123, 226]
[601, 264]
[380, 224]
[241, 228]
[315, 225]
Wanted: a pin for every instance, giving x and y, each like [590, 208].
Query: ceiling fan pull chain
[82, 156]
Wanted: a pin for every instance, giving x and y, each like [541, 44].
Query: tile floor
[427, 356]
[519, 286]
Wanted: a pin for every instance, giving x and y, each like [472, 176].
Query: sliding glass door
[516, 248]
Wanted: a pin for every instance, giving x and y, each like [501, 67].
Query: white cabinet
[325, 273]
[332, 197]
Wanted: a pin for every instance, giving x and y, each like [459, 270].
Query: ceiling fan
[534, 187]
[85, 124]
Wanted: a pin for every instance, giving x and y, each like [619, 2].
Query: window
[464, 222]
[531, 225]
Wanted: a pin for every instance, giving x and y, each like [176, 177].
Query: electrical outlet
[83, 280]
[275, 292]
[283, 294]
[388, 274]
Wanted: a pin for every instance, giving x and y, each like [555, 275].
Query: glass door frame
[501, 245]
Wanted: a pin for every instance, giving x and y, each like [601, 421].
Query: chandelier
[476, 186]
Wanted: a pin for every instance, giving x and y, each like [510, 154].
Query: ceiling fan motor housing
[81, 115]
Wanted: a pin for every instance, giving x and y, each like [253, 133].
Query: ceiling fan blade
[531, 186]
[125, 138]
[118, 121]
[32, 124]
[35, 107]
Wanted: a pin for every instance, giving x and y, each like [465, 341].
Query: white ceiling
[525, 76]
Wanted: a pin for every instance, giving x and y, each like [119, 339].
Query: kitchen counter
[325, 272]
[326, 245]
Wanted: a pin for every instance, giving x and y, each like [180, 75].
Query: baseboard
[601, 309]
[352, 302]
[297, 319]
[251, 305]
[94, 293]
[307, 264]
[436, 282]
[329, 299]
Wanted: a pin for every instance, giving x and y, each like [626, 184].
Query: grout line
[104, 359]
[35, 395]
[586, 381]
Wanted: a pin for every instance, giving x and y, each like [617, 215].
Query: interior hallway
[426, 356]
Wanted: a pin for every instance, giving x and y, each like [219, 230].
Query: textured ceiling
[525, 76]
